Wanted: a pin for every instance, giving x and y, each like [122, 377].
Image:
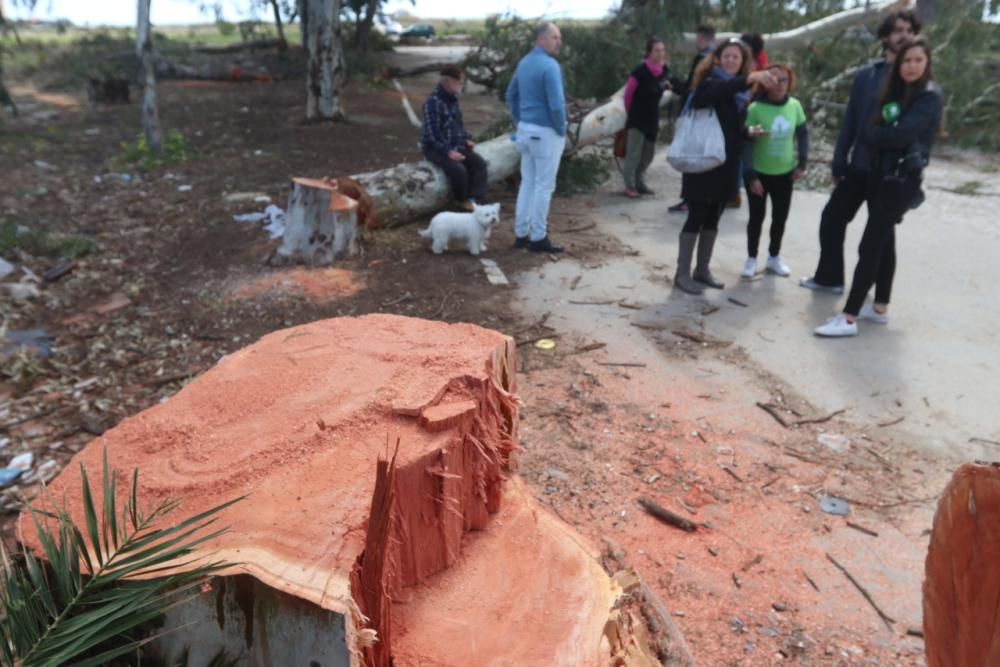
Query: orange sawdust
[320, 285]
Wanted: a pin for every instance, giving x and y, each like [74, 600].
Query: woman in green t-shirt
[771, 165]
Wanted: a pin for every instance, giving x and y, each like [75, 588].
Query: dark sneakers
[679, 207]
[643, 189]
[545, 245]
[521, 241]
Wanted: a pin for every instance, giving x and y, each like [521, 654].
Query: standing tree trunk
[144, 48]
[365, 29]
[277, 24]
[303, 12]
[325, 70]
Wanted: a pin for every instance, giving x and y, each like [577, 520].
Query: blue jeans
[541, 151]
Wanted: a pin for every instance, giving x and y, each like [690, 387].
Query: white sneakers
[837, 327]
[777, 266]
[774, 265]
[869, 313]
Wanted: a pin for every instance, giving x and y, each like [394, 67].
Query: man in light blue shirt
[536, 100]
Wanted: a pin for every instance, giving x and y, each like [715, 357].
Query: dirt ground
[175, 284]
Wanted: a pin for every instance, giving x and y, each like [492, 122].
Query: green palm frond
[124, 568]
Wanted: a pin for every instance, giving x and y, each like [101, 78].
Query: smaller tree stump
[322, 224]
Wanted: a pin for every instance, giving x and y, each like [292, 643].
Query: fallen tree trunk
[255, 45]
[804, 35]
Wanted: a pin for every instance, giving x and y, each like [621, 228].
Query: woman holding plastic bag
[720, 82]
[900, 140]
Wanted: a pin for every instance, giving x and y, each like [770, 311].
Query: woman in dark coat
[899, 141]
[646, 85]
[722, 82]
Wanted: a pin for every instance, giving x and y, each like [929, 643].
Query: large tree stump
[321, 224]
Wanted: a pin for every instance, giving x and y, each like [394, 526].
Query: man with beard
[851, 157]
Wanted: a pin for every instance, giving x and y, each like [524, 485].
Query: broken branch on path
[860, 528]
[626, 364]
[984, 441]
[699, 337]
[584, 228]
[737, 302]
[888, 620]
[666, 516]
[891, 423]
[820, 420]
[592, 303]
[589, 348]
[407, 107]
[772, 410]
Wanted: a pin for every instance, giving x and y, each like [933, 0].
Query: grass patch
[141, 154]
[970, 188]
[42, 242]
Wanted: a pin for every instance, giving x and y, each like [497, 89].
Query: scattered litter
[22, 462]
[4, 442]
[8, 476]
[92, 131]
[545, 344]
[34, 341]
[21, 291]
[274, 215]
[833, 441]
[258, 152]
[6, 268]
[653, 478]
[43, 165]
[261, 199]
[61, 268]
[494, 273]
[832, 505]
[44, 472]
[184, 188]
[237, 197]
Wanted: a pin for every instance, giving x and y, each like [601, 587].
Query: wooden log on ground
[254, 45]
[321, 224]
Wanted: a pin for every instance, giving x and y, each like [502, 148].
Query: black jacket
[915, 131]
[722, 183]
[644, 111]
[862, 106]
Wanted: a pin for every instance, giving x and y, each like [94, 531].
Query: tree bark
[325, 71]
[303, 12]
[321, 224]
[144, 48]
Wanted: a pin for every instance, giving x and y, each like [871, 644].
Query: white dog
[473, 228]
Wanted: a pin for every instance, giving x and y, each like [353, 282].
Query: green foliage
[582, 173]
[40, 242]
[225, 28]
[84, 605]
[140, 153]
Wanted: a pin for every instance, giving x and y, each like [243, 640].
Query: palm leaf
[85, 598]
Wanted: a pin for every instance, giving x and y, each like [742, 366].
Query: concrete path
[936, 364]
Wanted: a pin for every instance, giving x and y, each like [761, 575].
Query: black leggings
[780, 190]
[876, 257]
[703, 216]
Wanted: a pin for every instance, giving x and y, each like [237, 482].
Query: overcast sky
[122, 12]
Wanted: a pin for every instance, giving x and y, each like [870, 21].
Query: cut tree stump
[322, 224]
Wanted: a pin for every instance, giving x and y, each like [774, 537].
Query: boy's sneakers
[809, 283]
[870, 314]
[749, 268]
[777, 266]
[837, 327]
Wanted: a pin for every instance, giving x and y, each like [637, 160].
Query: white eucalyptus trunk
[144, 49]
[325, 71]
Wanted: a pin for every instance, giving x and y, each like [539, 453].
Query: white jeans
[541, 150]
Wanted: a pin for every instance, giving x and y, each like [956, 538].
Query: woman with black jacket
[721, 82]
[899, 140]
[646, 85]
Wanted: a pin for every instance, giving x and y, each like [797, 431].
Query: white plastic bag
[698, 144]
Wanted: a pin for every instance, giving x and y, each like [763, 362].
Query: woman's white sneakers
[837, 327]
[869, 313]
[777, 266]
[749, 268]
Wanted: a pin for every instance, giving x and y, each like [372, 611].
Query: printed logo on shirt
[780, 129]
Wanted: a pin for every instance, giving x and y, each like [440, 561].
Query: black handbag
[900, 188]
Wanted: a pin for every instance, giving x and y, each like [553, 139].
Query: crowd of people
[892, 118]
